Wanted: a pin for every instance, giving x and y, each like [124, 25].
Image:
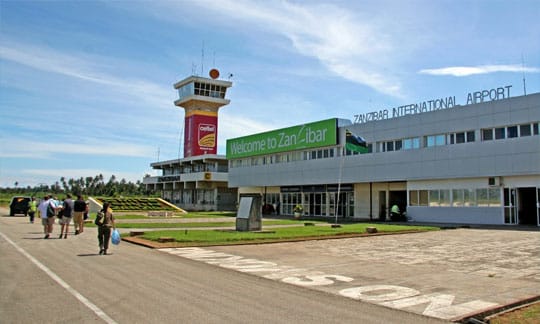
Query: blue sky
[86, 87]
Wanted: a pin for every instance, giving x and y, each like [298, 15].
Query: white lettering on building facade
[432, 105]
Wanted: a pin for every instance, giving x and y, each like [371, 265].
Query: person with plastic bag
[105, 222]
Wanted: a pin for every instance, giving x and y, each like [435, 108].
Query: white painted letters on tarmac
[440, 305]
[437, 305]
[320, 280]
[386, 293]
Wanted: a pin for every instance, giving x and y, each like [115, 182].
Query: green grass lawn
[529, 314]
[220, 237]
[198, 224]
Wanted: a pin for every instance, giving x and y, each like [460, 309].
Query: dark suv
[19, 205]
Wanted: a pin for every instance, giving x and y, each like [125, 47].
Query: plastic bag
[115, 237]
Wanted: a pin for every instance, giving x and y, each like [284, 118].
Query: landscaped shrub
[135, 204]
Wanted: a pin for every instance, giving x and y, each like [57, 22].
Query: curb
[161, 245]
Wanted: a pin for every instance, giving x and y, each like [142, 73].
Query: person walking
[47, 210]
[104, 230]
[79, 208]
[67, 207]
[32, 209]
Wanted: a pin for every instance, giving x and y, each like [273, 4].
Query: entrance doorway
[527, 209]
[316, 202]
[382, 206]
[521, 206]
[398, 197]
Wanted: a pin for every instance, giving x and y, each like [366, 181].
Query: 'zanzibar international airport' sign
[311, 135]
[435, 104]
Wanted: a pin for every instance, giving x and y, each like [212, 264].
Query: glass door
[510, 206]
[342, 209]
[317, 203]
[538, 206]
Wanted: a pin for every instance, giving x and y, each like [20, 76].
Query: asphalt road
[66, 281]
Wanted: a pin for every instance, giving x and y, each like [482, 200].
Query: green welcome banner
[317, 134]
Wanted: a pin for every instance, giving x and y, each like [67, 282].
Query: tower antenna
[202, 59]
[523, 70]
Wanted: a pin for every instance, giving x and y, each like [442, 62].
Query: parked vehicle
[19, 205]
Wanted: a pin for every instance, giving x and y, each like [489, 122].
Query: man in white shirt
[47, 219]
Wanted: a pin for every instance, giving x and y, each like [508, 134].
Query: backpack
[100, 217]
[50, 210]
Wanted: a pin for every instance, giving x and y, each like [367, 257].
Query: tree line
[88, 186]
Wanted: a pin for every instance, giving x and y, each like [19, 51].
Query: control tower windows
[209, 90]
[202, 89]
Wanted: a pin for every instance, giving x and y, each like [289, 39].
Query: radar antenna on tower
[202, 59]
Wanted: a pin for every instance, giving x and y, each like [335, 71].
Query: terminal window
[512, 131]
[500, 133]
[487, 134]
[411, 143]
[418, 198]
[525, 130]
[435, 140]
[462, 137]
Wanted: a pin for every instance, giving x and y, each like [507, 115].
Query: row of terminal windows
[285, 157]
[481, 197]
[194, 168]
[459, 137]
[522, 130]
[411, 143]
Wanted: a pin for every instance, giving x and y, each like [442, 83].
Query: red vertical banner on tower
[200, 133]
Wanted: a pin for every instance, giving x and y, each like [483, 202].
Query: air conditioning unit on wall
[494, 181]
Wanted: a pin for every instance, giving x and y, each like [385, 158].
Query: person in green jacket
[395, 214]
[32, 209]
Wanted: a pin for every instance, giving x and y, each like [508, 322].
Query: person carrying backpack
[47, 210]
[67, 207]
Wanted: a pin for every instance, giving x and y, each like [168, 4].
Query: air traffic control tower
[201, 98]
[199, 180]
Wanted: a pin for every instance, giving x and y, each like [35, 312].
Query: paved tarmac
[67, 281]
[449, 274]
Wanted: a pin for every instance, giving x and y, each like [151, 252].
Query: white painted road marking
[61, 282]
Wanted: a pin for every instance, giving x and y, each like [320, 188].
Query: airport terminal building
[476, 163]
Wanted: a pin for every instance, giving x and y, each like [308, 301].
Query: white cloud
[85, 68]
[19, 148]
[236, 126]
[345, 44]
[460, 71]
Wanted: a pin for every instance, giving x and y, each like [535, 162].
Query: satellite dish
[214, 74]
